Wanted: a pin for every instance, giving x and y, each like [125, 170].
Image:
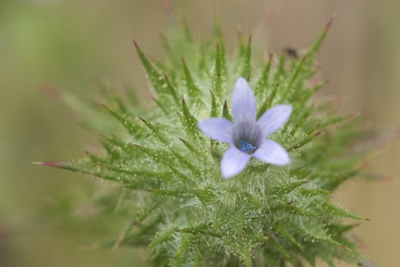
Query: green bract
[190, 216]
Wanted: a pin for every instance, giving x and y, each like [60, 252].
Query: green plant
[189, 215]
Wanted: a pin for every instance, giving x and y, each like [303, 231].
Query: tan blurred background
[69, 43]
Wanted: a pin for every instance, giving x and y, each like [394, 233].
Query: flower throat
[246, 147]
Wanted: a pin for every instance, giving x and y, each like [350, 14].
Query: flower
[246, 136]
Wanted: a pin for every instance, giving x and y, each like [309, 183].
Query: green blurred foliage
[67, 44]
[42, 45]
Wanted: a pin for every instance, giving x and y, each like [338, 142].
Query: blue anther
[246, 147]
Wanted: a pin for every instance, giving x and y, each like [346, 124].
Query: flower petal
[217, 128]
[243, 102]
[274, 118]
[233, 162]
[273, 153]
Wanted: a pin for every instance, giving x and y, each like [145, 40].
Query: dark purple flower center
[247, 137]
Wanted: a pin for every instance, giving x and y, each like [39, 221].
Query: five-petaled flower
[246, 136]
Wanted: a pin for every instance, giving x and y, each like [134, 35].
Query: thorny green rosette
[266, 215]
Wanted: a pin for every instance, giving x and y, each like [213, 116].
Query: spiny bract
[265, 216]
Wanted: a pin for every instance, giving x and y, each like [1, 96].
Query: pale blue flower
[246, 136]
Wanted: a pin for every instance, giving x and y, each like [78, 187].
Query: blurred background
[68, 44]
